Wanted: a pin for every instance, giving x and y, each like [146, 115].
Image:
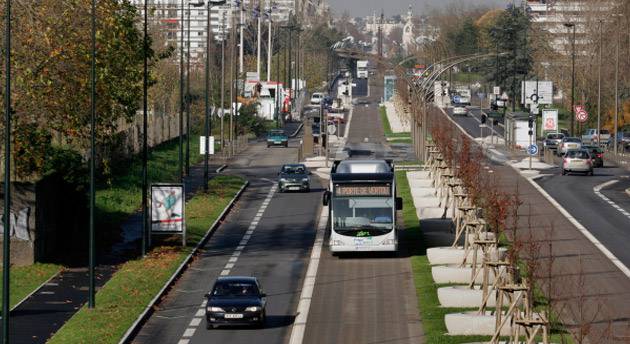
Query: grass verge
[124, 297]
[25, 279]
[387, 128]
[431, 313]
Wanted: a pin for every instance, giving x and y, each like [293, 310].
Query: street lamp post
[572, 26]
[6, 244]
[181, 97]
[92, 248]
[145, 149]
[599, 86]
[208, 123]
[187, 99]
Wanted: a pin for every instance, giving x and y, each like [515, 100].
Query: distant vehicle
[552, 140]
[317, 98]
[597, 155]
[461, 96]
[360, 101]
[590, 136]
[277, 137]
[577, 160]
[497, 104]
[294, 177]
[460, 110]
[362, 69]
[623, 139]
[363, 205]
[337, 117]
[236, 301]
[569, 143]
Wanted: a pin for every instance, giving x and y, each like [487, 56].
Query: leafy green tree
[465, 40]
[514, 54]
[51, 76]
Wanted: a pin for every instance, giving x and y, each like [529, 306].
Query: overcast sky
[360, 8]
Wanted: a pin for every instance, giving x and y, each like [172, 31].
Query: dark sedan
[597, 155]
[294, 177]
[552, 140]
[235, 301]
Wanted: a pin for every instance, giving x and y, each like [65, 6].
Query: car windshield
[276, 132]
[235, 289]
[293, 169]
[372, 215]
[555, 136]
[578, 154]
[572, 139]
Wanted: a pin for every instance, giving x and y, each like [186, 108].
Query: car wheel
[564, 172]
[286, 145]
[263, 320]
[590, 173]
[307, 190]
[209, 326]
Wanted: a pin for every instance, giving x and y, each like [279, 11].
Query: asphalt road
[471, 123]
[364, 298]
[276, 253]
[607, 223]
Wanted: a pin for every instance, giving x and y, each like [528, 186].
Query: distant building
[552, 15]
[167, 14]
[408, 38]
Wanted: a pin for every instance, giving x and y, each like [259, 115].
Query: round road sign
[532, 149]
[332, 129]
[580, 114]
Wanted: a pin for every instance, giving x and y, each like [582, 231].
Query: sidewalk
[47, 310]
[396, 122]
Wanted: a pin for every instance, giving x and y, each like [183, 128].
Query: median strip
[129, 297]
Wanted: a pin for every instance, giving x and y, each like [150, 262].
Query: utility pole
[572, 26]
[616, 91]
[259, 38]
[269, 45]
[181, 97]
[187, 99]
[92, 248]
[241, 43]
[6, 235]
[145, 149]
[599, 86]
[380, 35]
[233, 79]
[223, 151]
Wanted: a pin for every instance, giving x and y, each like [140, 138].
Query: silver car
[569, 143]
[577, 160]
[460, 110]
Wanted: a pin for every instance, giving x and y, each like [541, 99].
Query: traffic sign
[456, 99]
[481, 95]
[532, 149]
[550, 120]
[580, 113]
[496, 90]
[332, 129]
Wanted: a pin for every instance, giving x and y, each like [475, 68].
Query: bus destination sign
[349, 190]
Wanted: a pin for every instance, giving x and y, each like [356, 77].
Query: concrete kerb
[221, 168]
[135, 327]
[297, 131]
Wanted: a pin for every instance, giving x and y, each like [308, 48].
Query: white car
[460, 110]
[569, 143]
[317, 98]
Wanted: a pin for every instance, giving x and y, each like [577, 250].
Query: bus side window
[399, 203]
[326, 198]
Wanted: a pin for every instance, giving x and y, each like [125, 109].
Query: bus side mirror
[399, 203]
[326, 198]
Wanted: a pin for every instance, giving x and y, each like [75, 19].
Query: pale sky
[361, 8]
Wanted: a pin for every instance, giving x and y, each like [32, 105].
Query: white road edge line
[624, 269]
[304, 305]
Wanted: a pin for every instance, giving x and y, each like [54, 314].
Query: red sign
[580, 113]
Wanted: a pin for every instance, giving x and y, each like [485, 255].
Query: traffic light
[484, 118]
[531, 121]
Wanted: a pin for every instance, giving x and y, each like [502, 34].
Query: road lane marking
[308, 287]
[201, 311]
[598, 190]
[624, 269]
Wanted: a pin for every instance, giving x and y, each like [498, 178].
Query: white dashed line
[194, 323]
[598, 190]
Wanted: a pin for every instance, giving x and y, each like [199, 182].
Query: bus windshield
[363, 216]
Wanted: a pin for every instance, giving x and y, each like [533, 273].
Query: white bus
[362, 69]
[362, 203]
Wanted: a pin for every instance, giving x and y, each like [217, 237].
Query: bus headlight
[253, 309]
[216, 310]
[305, 180]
